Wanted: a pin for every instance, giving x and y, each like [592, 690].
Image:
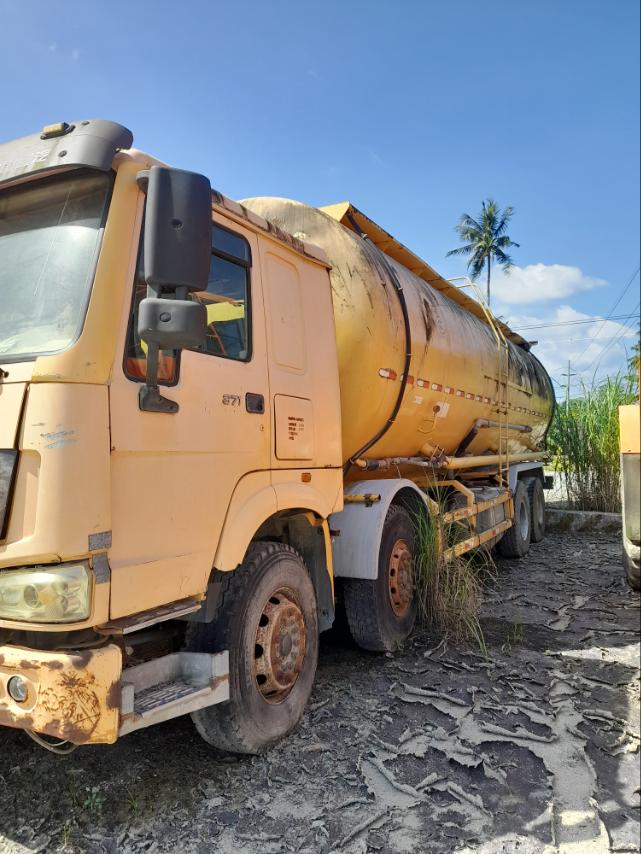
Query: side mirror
[172, 324]
[167, 324]
[177, 229]
[177, 256]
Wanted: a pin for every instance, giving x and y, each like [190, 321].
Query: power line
[625, 328]
[611, 312]
[574, 322]
[588, 338]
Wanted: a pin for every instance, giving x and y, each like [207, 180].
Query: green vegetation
[633, 363]
[449, 593]
[515, 638]
[585, 442]
[485, 239]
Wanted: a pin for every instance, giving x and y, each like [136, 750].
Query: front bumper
[71, 696]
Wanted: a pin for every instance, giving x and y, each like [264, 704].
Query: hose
[408, 345]
[61, 748]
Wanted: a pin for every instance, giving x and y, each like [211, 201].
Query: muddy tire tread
[361, 604]
[220, 730]
[536, 534]
[511, 544]
[360, 607]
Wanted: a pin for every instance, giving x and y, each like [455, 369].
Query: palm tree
[485, 239]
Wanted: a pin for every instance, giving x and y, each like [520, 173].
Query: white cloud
[540, 283]
[593, 349]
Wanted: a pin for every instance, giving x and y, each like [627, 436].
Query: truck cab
[136, 467]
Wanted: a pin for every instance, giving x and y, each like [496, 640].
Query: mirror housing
[177, 257]
[172, 324]
[177, 229]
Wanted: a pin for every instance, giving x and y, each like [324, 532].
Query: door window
[226, 300]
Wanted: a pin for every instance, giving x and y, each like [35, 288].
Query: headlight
[46, 594]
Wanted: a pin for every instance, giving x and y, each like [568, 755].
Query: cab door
[173, 475]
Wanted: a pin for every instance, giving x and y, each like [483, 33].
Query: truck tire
[536, 496]
[381, 613]
[267, 619]
[515, 542]
[632, 570]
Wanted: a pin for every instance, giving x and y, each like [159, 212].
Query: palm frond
[504, 220]
[470, 222]
[476, 265]
[503, 259]
[462, 250]
[505, 242]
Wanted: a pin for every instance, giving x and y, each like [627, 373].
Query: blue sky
[415, 111]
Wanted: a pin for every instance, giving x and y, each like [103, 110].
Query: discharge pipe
[454, 463]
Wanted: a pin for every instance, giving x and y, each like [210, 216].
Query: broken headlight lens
[46, 594]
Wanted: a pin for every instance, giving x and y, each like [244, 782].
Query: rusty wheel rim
[281, 641]
[399, 577]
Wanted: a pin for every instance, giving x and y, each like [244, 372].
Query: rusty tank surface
[453, 392]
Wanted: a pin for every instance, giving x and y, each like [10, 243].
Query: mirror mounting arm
[149, 397]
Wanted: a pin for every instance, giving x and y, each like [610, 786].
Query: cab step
[170, 686]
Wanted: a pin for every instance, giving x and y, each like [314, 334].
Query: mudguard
[356, 530]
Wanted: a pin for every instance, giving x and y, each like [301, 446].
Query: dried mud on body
[534, 748]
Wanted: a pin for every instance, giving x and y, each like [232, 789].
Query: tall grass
[449, 593]
[585, 442]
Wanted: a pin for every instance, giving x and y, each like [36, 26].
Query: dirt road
[534, 748]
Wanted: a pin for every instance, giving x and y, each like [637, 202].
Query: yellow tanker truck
[215, 418]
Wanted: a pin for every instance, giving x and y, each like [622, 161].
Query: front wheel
[267, 619]
[381, 613]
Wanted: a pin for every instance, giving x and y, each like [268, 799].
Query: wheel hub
[281, 640]
[399, 576]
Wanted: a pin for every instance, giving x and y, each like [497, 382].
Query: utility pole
[570, 373]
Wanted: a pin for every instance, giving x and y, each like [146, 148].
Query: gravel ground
[533, 748]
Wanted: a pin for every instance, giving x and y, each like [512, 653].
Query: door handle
[255, 403]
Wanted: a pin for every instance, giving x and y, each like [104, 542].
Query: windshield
[49, 239]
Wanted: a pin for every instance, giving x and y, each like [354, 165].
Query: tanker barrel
[454, 393]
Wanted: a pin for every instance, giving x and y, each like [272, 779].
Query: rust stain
[78, 694]
[428, 321]
[113, 695]
[81, 659]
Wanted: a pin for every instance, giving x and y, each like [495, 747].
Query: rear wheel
[381, 613]
[536, 497]
[267, 619]
[515, 542]
[632, 570]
